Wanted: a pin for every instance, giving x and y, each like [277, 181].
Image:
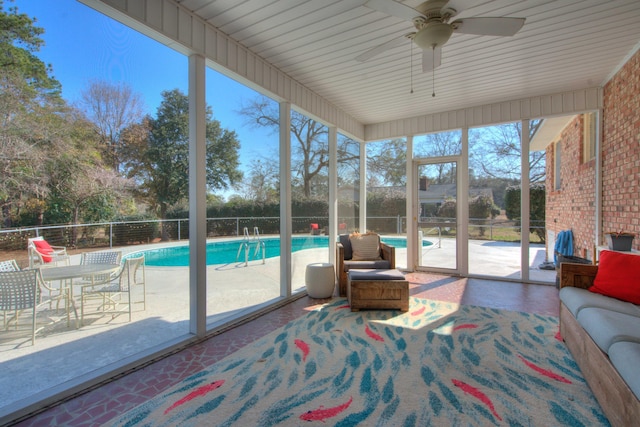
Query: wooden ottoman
[377, 289]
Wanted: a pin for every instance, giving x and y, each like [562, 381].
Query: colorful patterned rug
[439, 364]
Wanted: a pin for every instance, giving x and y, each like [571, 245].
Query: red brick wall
[621, 151]
[573, 205]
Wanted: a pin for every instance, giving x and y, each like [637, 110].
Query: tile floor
[102, 404]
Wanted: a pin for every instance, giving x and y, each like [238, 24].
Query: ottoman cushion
[375, 275]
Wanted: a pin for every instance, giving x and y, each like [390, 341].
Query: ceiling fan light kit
[433, 30]
[432, 35]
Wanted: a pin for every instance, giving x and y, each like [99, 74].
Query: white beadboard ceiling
[564, 45]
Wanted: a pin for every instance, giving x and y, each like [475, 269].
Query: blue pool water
[225, 252]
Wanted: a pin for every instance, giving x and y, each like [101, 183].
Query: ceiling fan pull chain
[411, 63]
[433, 75]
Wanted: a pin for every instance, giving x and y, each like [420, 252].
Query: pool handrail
[246, 241]
[259, 244]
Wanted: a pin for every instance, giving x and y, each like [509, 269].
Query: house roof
[549, 131]
[564, 45]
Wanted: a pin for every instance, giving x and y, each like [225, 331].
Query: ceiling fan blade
[431, 58]
[393, 8]
[395, 42]
[488, 26]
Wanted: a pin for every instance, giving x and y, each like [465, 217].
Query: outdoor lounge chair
[130, 276]
[42, 254]
[385, 260]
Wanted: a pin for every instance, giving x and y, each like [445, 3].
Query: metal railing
[82, 237]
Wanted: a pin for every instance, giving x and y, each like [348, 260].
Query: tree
[310, 147]
[19, 39]
[29, 100]
[387, 160]
[481, 207]
[81, 187]
[112, 107]
[438, 145]
[495, 150]
[537, 203]
[162, 164]
[262, 183]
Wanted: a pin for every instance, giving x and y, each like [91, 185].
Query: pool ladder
[246, 244]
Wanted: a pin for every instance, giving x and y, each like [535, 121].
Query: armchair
[386, 260]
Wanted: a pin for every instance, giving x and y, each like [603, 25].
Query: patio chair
[130, 276]
[105, 257]
[42, 254]
[19, 291]
[384, 259]
[9, 265]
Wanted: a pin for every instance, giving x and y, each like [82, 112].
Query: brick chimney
[424, 183]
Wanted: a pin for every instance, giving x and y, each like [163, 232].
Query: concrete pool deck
[73, 355]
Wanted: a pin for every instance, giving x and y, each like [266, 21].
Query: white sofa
[603, 335]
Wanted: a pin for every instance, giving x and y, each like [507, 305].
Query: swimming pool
[225, 252]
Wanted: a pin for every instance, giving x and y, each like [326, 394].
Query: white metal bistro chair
[19, 292]
[9, 265]
[42, 254]
[130, 276]
[105, 257]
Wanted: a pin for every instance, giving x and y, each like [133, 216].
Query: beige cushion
[366, 247]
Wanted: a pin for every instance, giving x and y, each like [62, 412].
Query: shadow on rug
[439, 364]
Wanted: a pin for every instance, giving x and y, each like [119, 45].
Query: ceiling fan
[433, 30]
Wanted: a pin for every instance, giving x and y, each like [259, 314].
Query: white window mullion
[285, 199]
[197, 197]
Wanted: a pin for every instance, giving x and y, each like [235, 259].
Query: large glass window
[437, 187]
[348, 185]
[539, 255]
[437, 214]
[243, 200]
[494, 200]
[111, 151]
[439, 144]
[387, 194]
[310, 195]
[495, 194]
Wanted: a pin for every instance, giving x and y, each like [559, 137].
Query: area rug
[439, 364]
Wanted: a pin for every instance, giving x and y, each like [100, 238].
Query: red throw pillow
[44, 248]
[314, 226]
[618, 276]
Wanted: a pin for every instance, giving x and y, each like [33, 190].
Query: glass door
[437, 220]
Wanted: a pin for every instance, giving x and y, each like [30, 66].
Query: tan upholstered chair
[345, 261]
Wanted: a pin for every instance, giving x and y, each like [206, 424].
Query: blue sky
[82, 44]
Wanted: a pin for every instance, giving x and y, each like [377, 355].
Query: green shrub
[537, 207]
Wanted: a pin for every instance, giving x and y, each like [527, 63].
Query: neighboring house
[571, 166]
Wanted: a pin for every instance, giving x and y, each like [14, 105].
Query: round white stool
[320, 279]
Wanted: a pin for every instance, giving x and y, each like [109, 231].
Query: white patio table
[69, 272]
